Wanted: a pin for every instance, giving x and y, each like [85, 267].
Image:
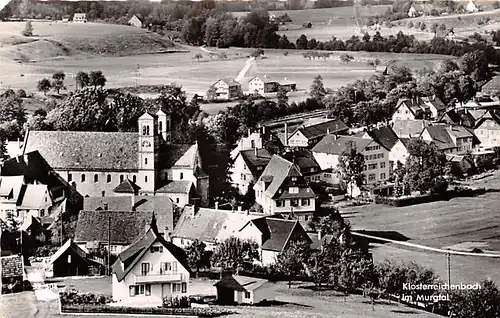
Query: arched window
[83, 177]
[108, 178]
[96, 178]
[146, 161]
[145, 130]
[181, 176]
[134, 179]
[146, 143]
[160, 125]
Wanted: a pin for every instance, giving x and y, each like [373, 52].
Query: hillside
[55, 40]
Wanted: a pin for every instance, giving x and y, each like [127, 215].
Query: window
[70, 177]
[131, 290]
[294, 202]
[293, 190]
[148, 289]
[382, 176]
[146, 144]
[108, 178]
[243, 177]
[181, 176]
[160, 125]
[146, 161]
[176, 288]
[372, 166]
[294, 178]
[121, 178]
[280, 203]
[253, 143]
[305, 202]
[168, 267]
[140, 290]
[145, 268]
[134, 179]
[83, 177]
[306, 217]
[145, 130]
[42, 213]
[184, 288]
[247, 295]
[158, 249]
[146, 179]
[103, 193]
[382, 165]
[371, 177]
[177, 200]
[96, 178]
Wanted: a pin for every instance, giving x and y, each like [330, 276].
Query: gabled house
[251, 141]
[162, 206]
[471, 7]
[73, 260]
[80, 18]
[449, 139]
[247, 167]
[283, 189]
[288, 85]
[492, 87]
[458, 117]
[412, 12]
[386, 137]
[313, 130]
[304, 159]
[210, 226]
[435, 105]
[327, 153]
[487, 130]
[150, 270]
[136, 20]
[235, 289]
[96, 229]
[274, 235]
[262, 85]
[226, 89]
[408, 128]
[411, 109]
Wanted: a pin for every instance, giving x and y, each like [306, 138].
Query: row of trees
[83, 79]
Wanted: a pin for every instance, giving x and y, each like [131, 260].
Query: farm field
[454, 224]
[298, 301]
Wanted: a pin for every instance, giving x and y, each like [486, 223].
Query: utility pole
[109, 243]
[449, 268]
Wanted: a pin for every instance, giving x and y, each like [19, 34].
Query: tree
[282, 96]
[442, 28]
[302, 42]
[82, 79]
[96, 78]
[425, 166]
[481, 302]
[434, 28]
[198, 56]
[292, 261]
[346, 58]
[351, 165]
[234, 252]
[197, 255]
[317, 90]
[58, 81]
[28, 29]
[257, 53]
[44, 85]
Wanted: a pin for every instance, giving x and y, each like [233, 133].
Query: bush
[176, 302]
[74, 297]
[200, 312]
[21, 93]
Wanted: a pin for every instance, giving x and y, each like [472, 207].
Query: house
[288, 85]
[304, 159]
[273, 235]
[262, 85]
[459, 117]
[449, 139]
[209, 226]
[104, 160]
[313, 130]
[459, 162]
[435, 105]
[96, 230]
[150, 270]
[412, 13]
[327, 153]
[136, 21]
[72, 260]
[388, 139]
[492, 87]
[251, 141]
[471, 7]
[226, 89]
[14, 148]
[247, 168]
[235, 289]
[419, 108]
[487, 130]
[381, 69]
[12, 271]
[162, 206]
[34, 228]
[408, 128]
[80, 18]
[283, 189]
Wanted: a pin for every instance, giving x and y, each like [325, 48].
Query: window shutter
[174, 267]
[131, 290]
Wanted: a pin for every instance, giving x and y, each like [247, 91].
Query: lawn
[298, 301]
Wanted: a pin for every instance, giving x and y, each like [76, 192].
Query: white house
[247, 168]
[243, 290]
[448, 138]
[80, 18]
[471, 7]
[430, 107]
[262, 85]
[309, 133]
[412, 12]
[136, 21]
[226, 89]
[282, 188]
[487, 130]
[150, 270]
[386, 136]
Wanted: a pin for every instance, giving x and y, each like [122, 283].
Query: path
[43, 292]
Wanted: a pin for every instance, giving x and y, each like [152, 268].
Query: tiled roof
[241, 283]
[127, 186]
[180, 186]
[276, 232]
[189, 158]
[489, 116]
[84, 150]
[334, 145]
[492, 86]
[254, 161]
[440, 137]
[458, 131]
[161, 205]
[32, 196]
[134, 253]
[304, 159]
[434, 101]
[11, 266]
[229, 81]
[406, 128]
[170, 154]
[384, 136]
[210, 225]
[279, 169]
[460, 117]
[265, 79]
[125, 226]
[10, 186]
[312, 131]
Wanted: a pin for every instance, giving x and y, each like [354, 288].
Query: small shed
[235, 289]
[136, 21]
[80, 18]
[72, 260]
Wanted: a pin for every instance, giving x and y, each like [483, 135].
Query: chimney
[216, 205]
[193, 210]
[286, 135]
[263, 130]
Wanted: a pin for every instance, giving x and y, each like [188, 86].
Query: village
[116, 203]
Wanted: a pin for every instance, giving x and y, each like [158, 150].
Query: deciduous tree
[233, 252]
[317, 90]
[197, 255]
[96, 78]
[44, 85]
[351, 165]
[292, 261]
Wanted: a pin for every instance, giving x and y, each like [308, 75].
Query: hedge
[196, 312]
[426, 198]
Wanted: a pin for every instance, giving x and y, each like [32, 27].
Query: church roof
[127, 186]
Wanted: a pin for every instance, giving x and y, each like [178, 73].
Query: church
[114, 163]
